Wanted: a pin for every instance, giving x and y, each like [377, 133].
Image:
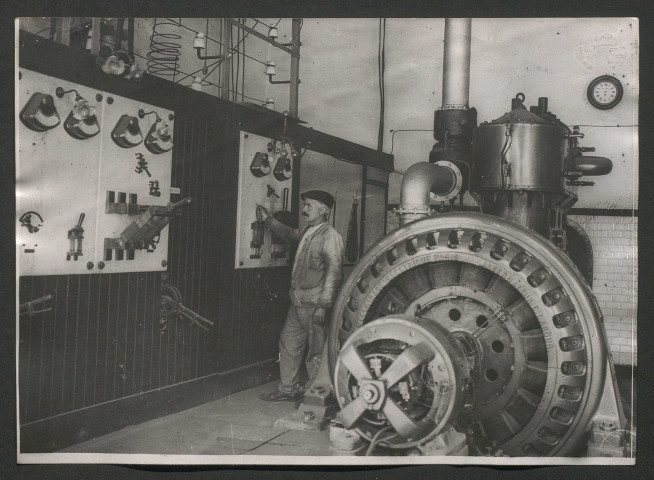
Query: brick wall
[615, 279]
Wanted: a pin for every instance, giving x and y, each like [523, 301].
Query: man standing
[315, 280]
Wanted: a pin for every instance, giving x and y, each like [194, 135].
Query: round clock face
[605, 92]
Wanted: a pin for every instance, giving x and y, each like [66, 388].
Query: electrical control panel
[265, 178]
[79, 191]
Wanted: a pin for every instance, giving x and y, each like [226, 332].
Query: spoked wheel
[401, 372]
[519, 309]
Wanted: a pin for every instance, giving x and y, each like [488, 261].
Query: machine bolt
[100, 264]
[98, 97]
[441, 367]
[608, 426]
[369, 393]
[164, 263]
[89, 265]
[110, 100]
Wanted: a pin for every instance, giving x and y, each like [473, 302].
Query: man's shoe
[277, 396]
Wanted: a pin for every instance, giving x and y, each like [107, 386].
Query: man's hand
[262, 211]
[319, 316]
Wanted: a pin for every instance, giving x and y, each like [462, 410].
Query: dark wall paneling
[103, 343]
[61, 431]
[87, 349]
[103, 339]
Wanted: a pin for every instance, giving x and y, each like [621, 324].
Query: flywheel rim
[431, 240]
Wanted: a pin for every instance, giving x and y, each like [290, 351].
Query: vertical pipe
[120, 24]
[225, 74]
[53, 28]
[62, 35]
[130, 36]
[95, 36]
[456, 63]
[295, 68]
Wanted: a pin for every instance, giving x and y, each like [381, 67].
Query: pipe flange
[416, 210]
[456, 187]
[455, 106]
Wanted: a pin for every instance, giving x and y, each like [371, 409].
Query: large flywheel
[519, 309]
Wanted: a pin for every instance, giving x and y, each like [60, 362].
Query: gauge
[605, 92]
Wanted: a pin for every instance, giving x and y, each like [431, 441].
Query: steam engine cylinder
[525, 167]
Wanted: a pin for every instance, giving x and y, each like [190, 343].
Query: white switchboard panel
[257, 184]
[60, 177]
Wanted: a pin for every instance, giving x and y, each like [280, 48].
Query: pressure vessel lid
[519, 114]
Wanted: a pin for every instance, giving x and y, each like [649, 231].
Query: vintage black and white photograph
[334, 241]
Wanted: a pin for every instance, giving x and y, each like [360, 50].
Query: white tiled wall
[615, 279]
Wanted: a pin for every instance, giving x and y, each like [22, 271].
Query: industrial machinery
[479, 324]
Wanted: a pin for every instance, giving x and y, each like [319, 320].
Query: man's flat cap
[319, 195]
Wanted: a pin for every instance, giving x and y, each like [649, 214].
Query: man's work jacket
[318, 265]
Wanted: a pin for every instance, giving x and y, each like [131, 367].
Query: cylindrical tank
[519, 166]
[533, 154]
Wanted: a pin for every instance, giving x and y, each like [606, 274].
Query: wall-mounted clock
[605, 92]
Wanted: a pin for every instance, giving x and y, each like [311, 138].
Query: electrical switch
[40, 114]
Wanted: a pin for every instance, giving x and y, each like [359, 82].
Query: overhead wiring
[211, 39]
[167, 51]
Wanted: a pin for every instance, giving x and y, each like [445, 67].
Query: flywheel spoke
[410, 359]
[401, 422]
[355, 364]
[352, 412]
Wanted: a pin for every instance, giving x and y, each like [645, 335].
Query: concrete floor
[240, 424]
[235, 425]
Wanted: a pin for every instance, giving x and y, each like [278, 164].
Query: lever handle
[81, 219]
[180, 204]
[194, 317]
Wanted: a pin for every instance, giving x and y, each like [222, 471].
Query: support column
[225, 72]
[295, 68]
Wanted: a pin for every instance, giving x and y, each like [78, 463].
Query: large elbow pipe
[443, 179]
[456, 63]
